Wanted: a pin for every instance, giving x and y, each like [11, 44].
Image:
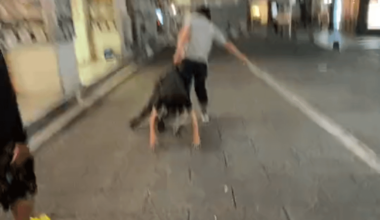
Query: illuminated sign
[373, 19]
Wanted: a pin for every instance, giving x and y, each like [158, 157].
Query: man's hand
[183, 39]
[178, 57]
[20, 154]
[244, 59]
[233, 50]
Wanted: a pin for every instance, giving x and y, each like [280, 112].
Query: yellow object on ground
[41, 217]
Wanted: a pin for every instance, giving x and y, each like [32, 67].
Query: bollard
[336, 46]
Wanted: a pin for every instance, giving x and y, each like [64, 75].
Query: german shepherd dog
[170, 100]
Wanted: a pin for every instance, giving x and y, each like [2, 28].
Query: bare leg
[196, 138]
[152, 128]
[23, 209]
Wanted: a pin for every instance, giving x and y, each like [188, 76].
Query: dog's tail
[147, 109]
[136, 121]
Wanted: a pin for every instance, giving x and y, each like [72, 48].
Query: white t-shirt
[202, 35]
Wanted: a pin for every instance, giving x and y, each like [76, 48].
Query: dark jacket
[11, 128]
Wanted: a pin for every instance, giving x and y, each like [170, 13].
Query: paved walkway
[344, 86]
[326, 38]
[261, 159]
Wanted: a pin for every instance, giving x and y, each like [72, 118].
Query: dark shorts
[16, 183]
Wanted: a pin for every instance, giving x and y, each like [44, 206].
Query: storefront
[40, 55]
[99, 44]
[258, 13]
[55, 47]
[373, 19]
[364, 16]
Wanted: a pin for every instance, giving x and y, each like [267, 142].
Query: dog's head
[173, 107]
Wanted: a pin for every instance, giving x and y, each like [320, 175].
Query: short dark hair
[204, 10]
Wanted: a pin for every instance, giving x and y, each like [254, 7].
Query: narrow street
[261, 158]
[344, 86]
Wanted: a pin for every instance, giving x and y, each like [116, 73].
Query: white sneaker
[205, 118]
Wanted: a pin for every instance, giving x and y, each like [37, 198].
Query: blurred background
[56, 47]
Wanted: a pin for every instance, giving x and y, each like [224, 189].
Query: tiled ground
[261, 159]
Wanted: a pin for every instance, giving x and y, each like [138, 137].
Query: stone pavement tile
[242, 213]
[367, 185]
[213, 203]
[207, 169]
[321, 154]
[211, 192]
[254, 212]
[241, 160]
[298, 188]
[275, 156]
[230, 127]
[323, 211]
[345, 190]
[153, 214]
[125, 189]
[173, 186]
[265, 213]
[210, 136]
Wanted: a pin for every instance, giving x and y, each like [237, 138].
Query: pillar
[361, 26]
[145, 22]
[124, 26]
[58, 19]
[84, 42]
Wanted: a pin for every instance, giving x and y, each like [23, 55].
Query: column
[291, 3]
[58, 18]
[84, 43]
[145, 18]
[335, 37]
[124, 26]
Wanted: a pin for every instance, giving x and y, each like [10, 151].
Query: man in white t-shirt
[194, 44]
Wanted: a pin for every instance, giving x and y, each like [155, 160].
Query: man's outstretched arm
[183, 39]
[236, 52]
[230, 47]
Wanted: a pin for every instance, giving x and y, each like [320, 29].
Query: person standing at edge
[17, 179]
[194, 44]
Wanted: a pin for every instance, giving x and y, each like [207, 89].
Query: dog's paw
[134, 123]
[196, 145]
[153, 143]
[153, 146]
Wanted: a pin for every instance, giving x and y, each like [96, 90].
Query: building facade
[55, 48]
